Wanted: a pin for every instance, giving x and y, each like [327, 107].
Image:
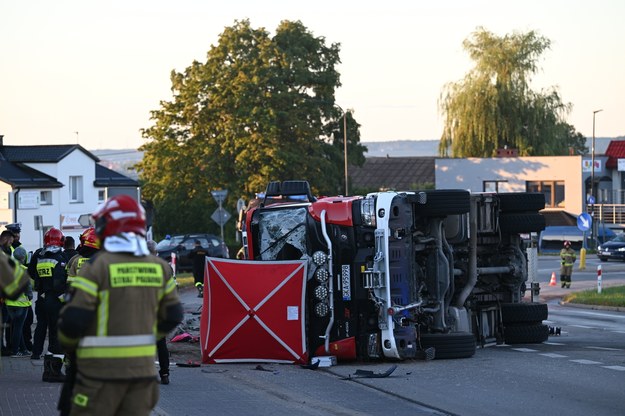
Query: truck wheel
[522, 201]
[525, 334]
[515, 223]
[452, 345]
[512, 313]
[443, 202]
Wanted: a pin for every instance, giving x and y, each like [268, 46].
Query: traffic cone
[553, 282]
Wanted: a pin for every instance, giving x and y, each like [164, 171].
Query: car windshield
[619, 238]
[169, 243]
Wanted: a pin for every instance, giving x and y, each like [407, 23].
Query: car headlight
[599, 248]
[367, 211]
[620, 249]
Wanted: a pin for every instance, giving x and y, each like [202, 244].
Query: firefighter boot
[47, 371]
[563, 281]
[56, 369]
[200, 290]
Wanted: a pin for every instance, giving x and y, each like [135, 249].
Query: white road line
[554, 343]
[585, 362]
[619, 332]
[524, 349]
[583, 326]
[554, 355]
[614, 367]
[605, 348]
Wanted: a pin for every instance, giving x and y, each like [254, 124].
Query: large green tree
[260, 108]
[494, 107]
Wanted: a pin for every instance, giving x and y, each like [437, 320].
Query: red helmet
[119, 214]
[53, 237]
[90, 239]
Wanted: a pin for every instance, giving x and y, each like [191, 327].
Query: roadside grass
[184, 280]
[610, 296]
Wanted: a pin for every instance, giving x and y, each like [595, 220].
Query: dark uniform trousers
[123, 397]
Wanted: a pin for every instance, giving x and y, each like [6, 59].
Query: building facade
[52, 186]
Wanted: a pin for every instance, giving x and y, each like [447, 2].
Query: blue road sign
[591, 199]
[584, 221]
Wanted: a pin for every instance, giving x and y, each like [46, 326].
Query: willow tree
[260, 108]
[494, 107]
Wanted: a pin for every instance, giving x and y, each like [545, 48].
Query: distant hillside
[402, 148]
[122, 160]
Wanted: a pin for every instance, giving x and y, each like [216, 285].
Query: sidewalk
[23, 393]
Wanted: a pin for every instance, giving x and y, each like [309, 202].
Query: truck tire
[443, 202]
[525, 334]
[513, 313]
[452, 345]
[521, 201]
[515, 223]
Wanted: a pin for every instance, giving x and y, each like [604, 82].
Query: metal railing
[607, 213]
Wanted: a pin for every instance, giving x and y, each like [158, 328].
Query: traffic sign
[591, 199]
[220, 195]
[584, 221]
[220, 216]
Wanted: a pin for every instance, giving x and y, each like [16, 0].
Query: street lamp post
[592, 178]
[345, 150]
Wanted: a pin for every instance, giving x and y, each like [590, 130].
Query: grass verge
[185, 280]
[610, 296]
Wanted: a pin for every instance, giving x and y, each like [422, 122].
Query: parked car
[183, 244]
[613, 249]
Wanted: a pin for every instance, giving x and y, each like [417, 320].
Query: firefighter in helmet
[122, 301]
[567, 257]
[47, 267]
[89, 245]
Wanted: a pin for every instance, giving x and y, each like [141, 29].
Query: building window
[45, 198]
[101, 195]
[553, 190]
[75, 189]
[492, 186]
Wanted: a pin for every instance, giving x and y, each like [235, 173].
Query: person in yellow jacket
[13, 279]
[123, 300]
[18, 309]
[567, 257]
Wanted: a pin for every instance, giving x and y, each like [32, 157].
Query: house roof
[15, 172]
[400, 173]
[42, 154]
[615, 151]
[107, 177]
[19, 175]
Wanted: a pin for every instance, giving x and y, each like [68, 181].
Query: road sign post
[220, 216]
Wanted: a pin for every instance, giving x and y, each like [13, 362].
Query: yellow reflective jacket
[127, 296]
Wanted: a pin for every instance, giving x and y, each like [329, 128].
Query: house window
[75, 189]
[553, 190]
[45, 198]
[101, 195]
[492, 186]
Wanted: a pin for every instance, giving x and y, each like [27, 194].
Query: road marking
[554, 355]
[554, 343]
[605, 348]
[619, 332]
[524, 350]
[586, 362]
[583, 326]
[614, 367]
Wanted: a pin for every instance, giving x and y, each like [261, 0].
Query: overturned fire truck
[392, 274]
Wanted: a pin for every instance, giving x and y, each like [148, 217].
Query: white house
[558, 177]
[52, 186]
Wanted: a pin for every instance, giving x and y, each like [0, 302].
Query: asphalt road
[580, 372]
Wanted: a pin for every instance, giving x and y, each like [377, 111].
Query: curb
[593, 307]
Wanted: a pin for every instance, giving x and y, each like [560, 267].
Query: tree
[260, 108]
[493, 106]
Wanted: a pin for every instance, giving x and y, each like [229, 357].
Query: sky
[89, 72]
